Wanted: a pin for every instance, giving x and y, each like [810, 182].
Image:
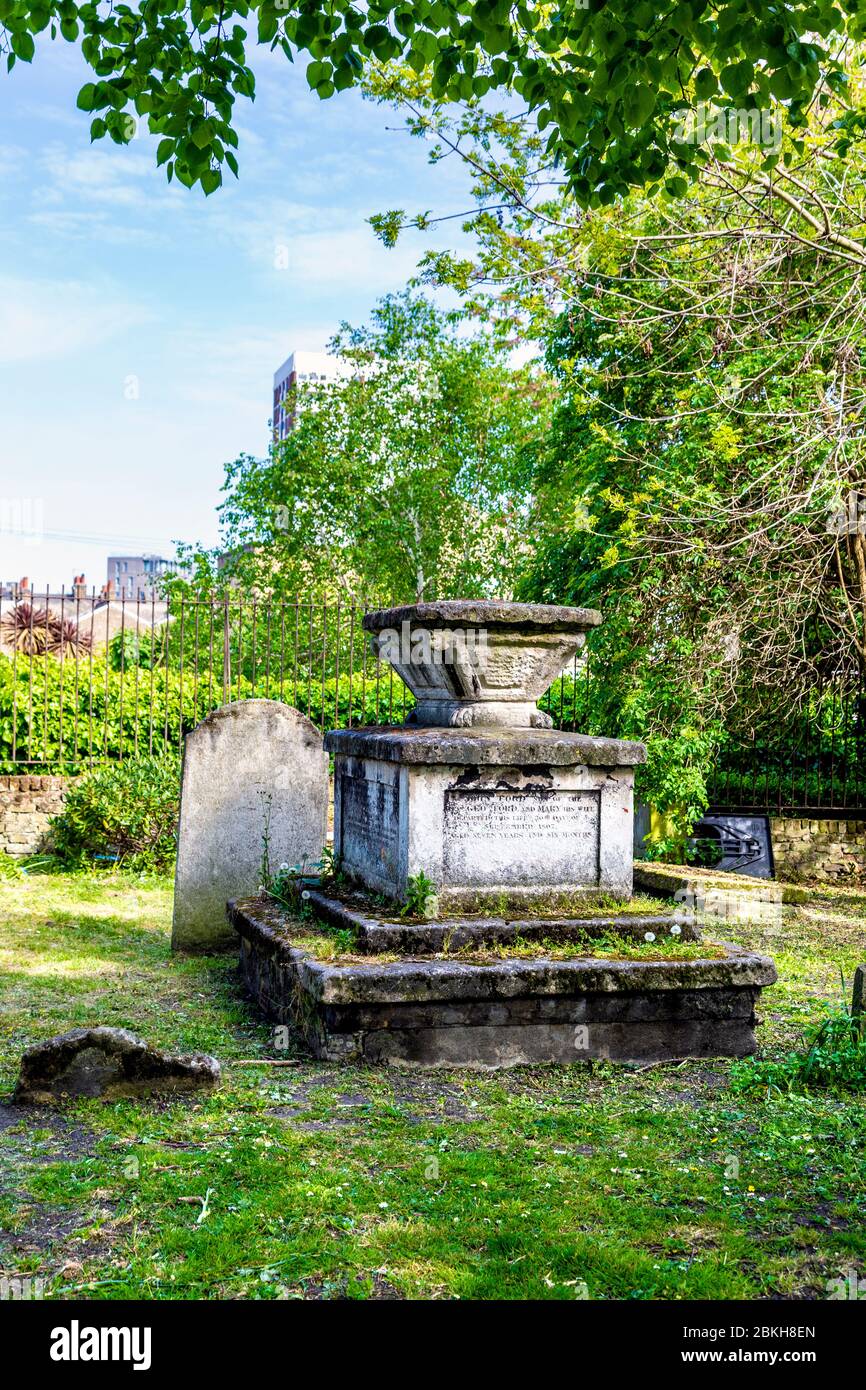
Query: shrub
[834, 1056]
[330, 706]
[126, 650]
[126, 810]
[34, 631]
[62, 716]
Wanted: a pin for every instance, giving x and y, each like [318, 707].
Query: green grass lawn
[312, 1181]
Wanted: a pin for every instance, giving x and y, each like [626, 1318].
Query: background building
[23, 591]
[136, 576]
[36, 620]
[298, 368]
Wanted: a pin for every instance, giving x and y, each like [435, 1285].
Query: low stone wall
[826, 851]
[26, 807]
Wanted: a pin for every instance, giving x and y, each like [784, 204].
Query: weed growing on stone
[420, 900]
[607, 945]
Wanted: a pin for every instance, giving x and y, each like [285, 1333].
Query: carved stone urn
[472, 664]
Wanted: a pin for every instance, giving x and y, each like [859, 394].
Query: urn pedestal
[495, 818]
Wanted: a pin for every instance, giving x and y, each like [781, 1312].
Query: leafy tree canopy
[605, 80]
[704, 482]
[407, 478]
[706, 476]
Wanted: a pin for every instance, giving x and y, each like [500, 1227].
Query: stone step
[378, 934]
[506, 1012]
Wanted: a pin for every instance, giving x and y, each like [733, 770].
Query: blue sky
[140, 323]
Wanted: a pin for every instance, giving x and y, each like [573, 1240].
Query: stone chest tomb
[513, 830]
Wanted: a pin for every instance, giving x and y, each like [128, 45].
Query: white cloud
[47, 319]
[305, 247]
[12, 159]
[101, 173]
[97, 224]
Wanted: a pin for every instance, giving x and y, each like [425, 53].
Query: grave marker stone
[249, 765]
[858, 999]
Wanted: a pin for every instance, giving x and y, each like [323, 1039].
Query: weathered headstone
[250, 769]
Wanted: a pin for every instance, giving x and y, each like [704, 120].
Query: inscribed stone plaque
[521, 837]
[249, 764]
[369, 825]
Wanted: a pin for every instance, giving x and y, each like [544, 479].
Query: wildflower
[649, 936]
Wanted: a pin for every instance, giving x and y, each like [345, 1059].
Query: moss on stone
[608, 946]
[328, 945]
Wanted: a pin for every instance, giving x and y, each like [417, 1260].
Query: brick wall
[830, 851]
[26, 806]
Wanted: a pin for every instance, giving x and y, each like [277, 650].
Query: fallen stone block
[107, 1062]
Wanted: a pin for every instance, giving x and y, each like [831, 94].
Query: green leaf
[376, 35]
[23, 46]
[677, 187]
[268, 25]
[706, 84]
[202, 134]
[638, 105]
[426, 44]
[86, 97]
[737, 78]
